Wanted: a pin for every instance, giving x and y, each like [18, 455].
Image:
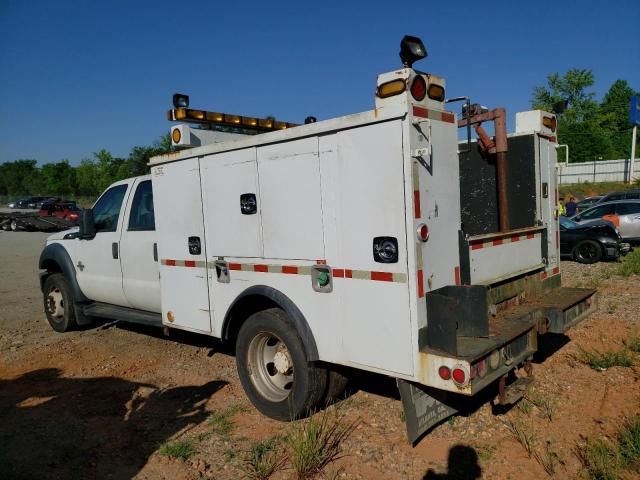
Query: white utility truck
[376, 241]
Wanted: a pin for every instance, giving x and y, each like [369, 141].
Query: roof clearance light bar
[226, 119]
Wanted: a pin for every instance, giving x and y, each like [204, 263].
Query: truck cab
[114, 268]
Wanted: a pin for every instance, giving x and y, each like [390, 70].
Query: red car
[65, 210]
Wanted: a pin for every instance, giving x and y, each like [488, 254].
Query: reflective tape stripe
[437, 115]
[293, 270]
[479, 244]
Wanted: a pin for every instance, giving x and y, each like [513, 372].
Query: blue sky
[79, 76]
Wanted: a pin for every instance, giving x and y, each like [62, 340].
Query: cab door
[138, 250]
[97, 261]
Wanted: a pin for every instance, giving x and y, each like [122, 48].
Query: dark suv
[625, 195]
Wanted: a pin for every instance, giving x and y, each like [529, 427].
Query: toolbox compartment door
[181, 245]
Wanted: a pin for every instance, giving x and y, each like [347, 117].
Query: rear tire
[14, 225]
[58, 303]
[336, 386]
[587, 251]
[274, 369]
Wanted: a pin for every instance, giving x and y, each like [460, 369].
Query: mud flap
[424, 408]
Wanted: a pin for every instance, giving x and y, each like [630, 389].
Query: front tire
[587, 251]
[274, 369]
[58, 303]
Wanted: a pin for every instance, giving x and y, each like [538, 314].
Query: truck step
[115, 312]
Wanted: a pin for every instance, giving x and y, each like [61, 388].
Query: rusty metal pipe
[499, 147]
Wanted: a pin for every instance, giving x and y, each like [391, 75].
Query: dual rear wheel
[275, 371]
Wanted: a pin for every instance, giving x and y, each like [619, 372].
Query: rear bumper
[512, 339]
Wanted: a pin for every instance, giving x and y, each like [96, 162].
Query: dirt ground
[100, 402]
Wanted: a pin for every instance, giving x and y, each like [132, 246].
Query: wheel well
[261, 297]
[240, 311]
[51, 266]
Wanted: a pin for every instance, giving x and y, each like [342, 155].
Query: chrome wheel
[55, 303]
[270, 366]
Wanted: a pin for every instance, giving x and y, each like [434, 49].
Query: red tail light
[419, 88]
[459, 376]
[423, 232]
[444, 372]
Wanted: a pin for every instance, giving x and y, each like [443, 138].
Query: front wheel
[587, 251]
[273, 367]
[58, 303]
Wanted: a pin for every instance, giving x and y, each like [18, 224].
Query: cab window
[141, 217]
[106, 211]
[628, 208]
[597, 212]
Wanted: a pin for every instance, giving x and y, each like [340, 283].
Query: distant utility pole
[634, 117]
[633, 151]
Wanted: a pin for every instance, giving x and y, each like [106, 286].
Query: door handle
[155, 252]
[194, 245]
[114, 250]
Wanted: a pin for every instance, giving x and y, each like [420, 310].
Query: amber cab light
[550, 122]
[436, 92]
[389, 89]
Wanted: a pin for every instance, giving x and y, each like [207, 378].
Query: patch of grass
[544, 403]
[523, 435]
[525, 406]
[548, 459]
[602, 361]
[629, 443]
[610, 459]
[633, 344]
[263, 459]
[178, 449]
[222, 422]
[588, 189]
[631, 264]
[485, 452]
[316, 442]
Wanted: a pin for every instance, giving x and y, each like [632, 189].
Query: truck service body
[370, 241]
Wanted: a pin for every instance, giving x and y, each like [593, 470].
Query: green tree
[582, 125]
[86, 178]
[615, 117]
[15, 177]
[59, 178]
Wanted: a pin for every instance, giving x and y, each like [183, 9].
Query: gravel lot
[100, 403]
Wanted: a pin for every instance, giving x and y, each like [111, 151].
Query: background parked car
[626, 195]
[23, 202]
[624, 214]
[62, 209]
[590, 242]
[588, 202]
[36, 202]
[18, 203]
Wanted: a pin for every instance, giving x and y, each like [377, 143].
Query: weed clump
[608, 359]
[178, 449]
[316, 442]
[611, 459]
[263, 459]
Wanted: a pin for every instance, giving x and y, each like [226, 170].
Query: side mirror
[87, 225]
